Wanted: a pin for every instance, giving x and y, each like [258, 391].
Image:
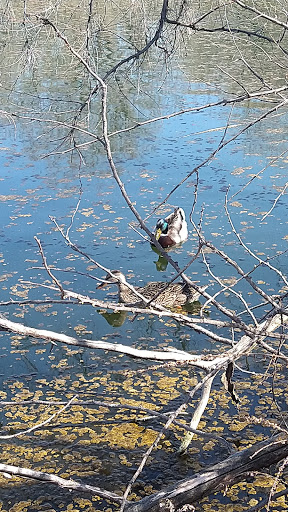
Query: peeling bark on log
[188, 491]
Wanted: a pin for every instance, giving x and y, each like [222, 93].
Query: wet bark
[226, 473]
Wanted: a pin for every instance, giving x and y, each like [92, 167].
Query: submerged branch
[39, 425]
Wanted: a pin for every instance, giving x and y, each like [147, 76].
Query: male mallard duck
[172, 230]
[177, 294]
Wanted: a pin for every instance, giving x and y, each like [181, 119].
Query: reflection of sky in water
[165, 154]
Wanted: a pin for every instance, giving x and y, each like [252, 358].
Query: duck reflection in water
[116, 319]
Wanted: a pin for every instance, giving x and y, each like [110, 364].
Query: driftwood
[191, 490]
[209, 363]
[52, 336]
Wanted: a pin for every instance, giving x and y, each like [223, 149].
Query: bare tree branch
[61, 482]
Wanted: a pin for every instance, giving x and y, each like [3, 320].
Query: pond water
[34, 190]
[151, 161]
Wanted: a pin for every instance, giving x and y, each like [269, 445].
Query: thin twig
[39, 425]
[54, 279]
[275, 202]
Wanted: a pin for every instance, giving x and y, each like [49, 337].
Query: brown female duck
[176, 294]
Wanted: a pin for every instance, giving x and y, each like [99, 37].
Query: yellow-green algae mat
[103, 446]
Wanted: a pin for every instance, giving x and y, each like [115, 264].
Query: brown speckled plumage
[176, 294]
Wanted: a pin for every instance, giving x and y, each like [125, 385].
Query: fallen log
[226, 473]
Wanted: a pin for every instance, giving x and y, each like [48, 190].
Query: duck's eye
[162, 225]
[159, 224]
